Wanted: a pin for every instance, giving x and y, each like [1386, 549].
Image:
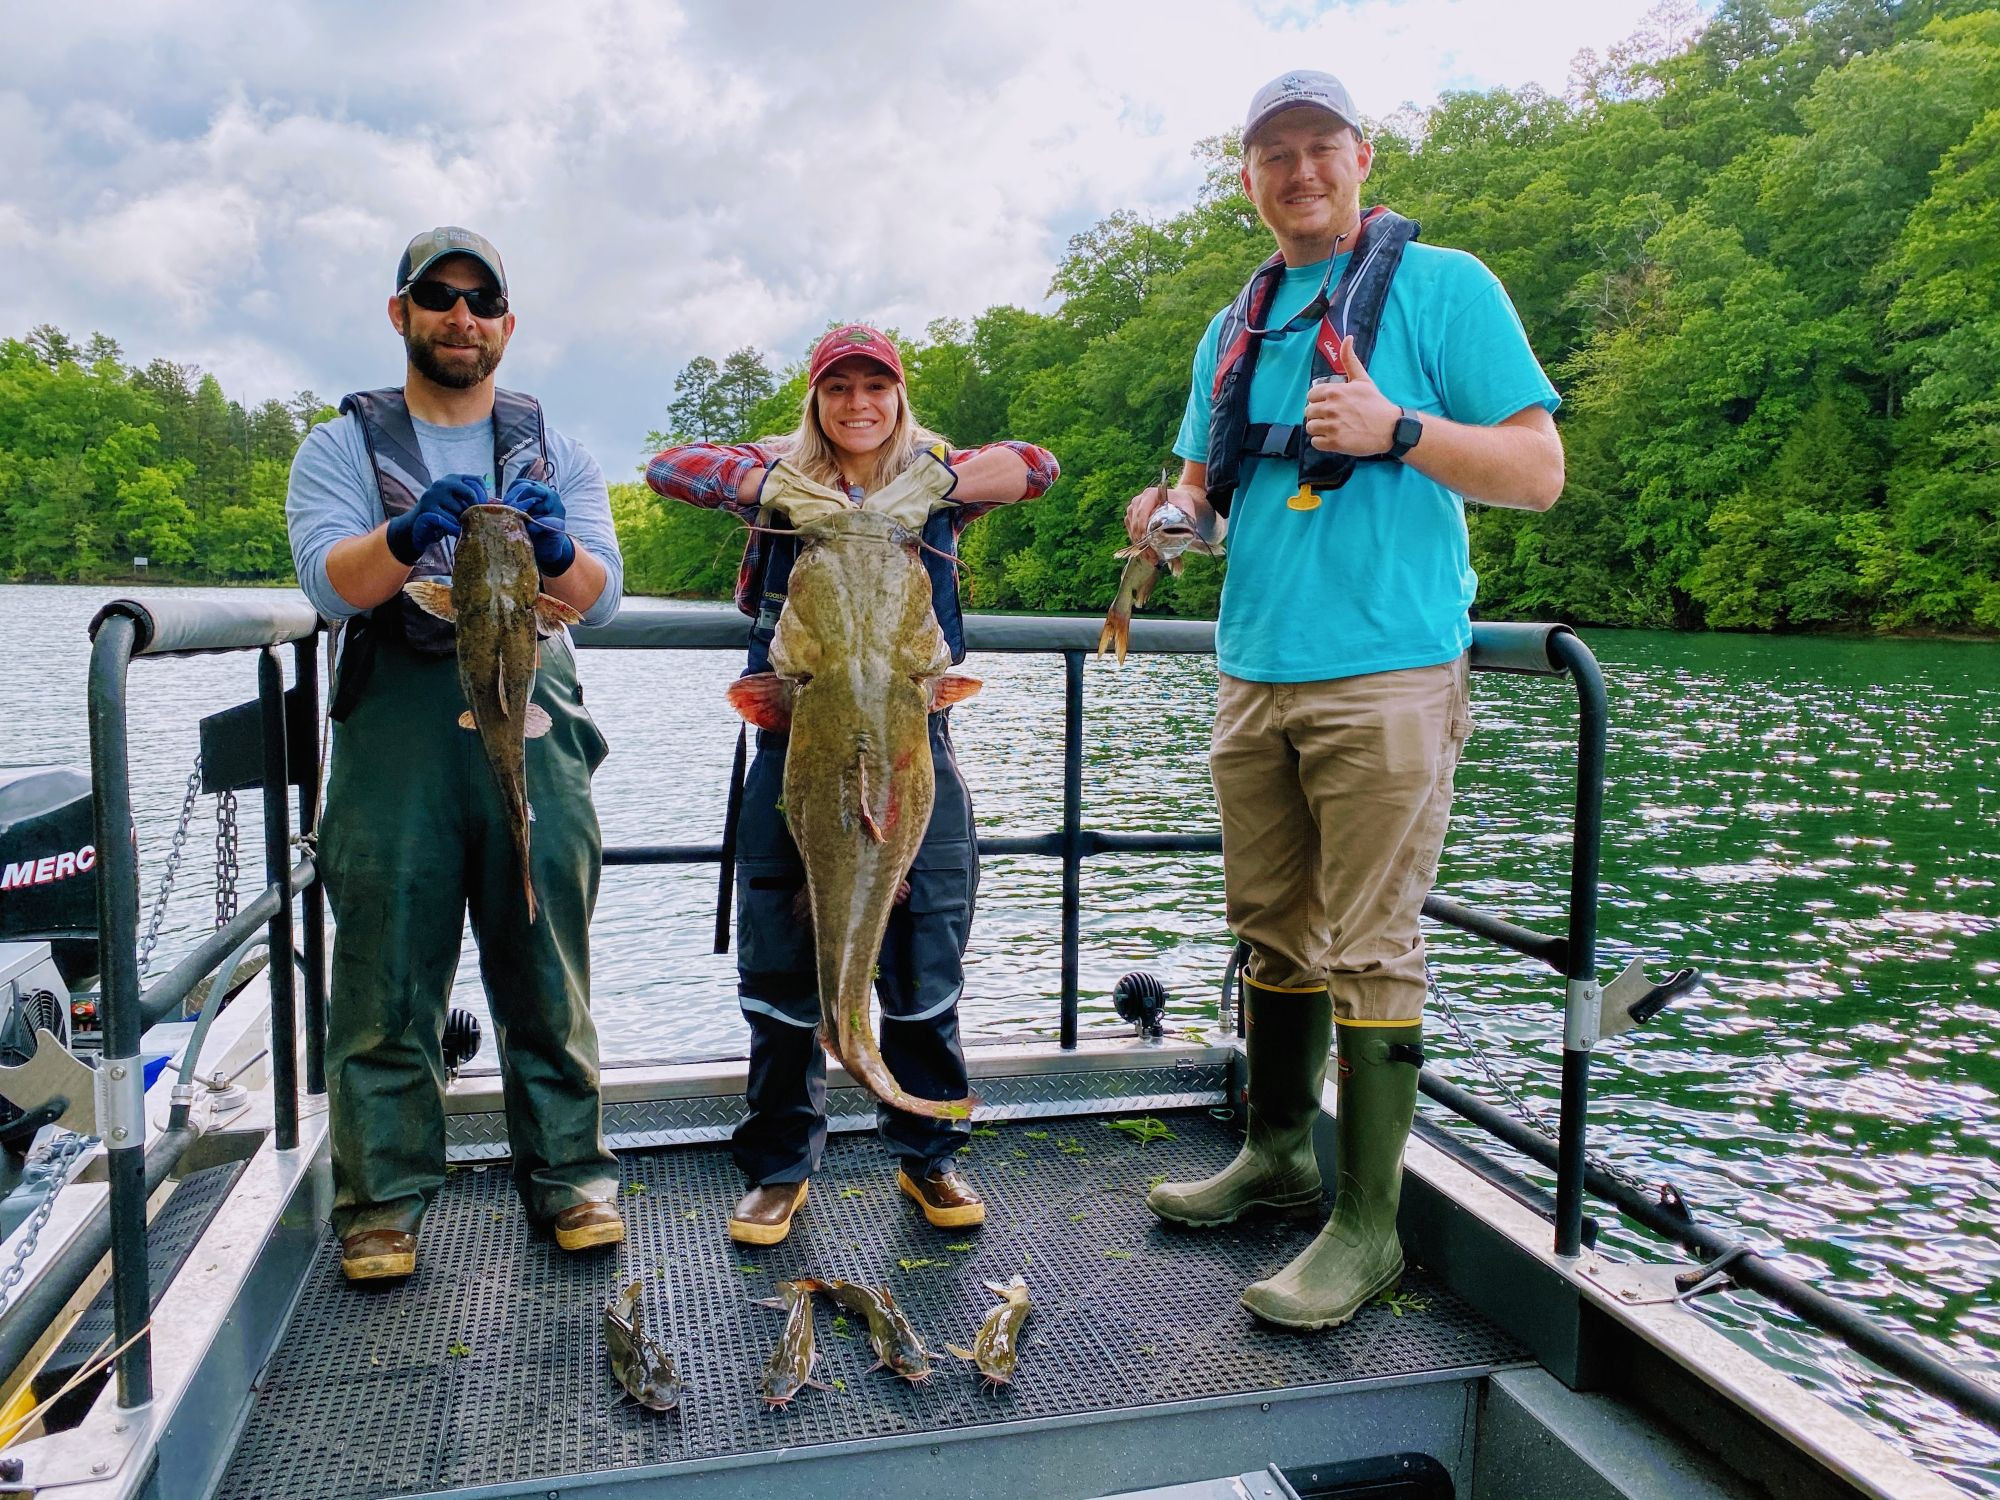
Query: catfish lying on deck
[996, 1347]
[858, 665]
[645, 1369]
[897, 1344]
[495, 600]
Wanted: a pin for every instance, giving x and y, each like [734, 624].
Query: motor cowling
[48, 867]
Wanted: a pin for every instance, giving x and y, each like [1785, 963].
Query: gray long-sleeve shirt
[333, 496]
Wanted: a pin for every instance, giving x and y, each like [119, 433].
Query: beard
[455, 375]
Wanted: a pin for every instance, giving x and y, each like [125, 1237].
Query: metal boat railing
[175, 627]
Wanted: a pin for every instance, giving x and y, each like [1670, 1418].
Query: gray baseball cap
[1292, 90]
[433, 245]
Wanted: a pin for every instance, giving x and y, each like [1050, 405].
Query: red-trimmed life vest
[1355, 308]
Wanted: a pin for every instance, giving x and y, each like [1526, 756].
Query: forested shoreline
[1763, 267]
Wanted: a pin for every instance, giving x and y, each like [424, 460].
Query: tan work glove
[923, 487]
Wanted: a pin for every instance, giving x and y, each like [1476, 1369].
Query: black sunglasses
[438, 296]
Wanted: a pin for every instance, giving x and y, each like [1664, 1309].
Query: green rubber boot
[1357, 1256]
[1288, 1036]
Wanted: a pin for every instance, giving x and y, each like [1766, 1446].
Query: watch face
[1408, 430]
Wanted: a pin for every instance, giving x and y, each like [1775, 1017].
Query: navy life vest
[765, 578]
[520, 451]
[1354, 308]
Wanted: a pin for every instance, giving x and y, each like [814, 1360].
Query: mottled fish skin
[495, 600]
[996, 1347]
[1169, 533]
[891, 1335]
[789, 1370]
[645, 1369]
[863, 659]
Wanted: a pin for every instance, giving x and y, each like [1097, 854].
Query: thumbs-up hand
[1350, 416]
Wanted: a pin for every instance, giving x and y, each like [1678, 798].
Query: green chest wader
[414, 840]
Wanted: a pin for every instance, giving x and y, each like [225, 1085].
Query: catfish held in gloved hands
[1169, 533]
[495, 600]
[858, 665]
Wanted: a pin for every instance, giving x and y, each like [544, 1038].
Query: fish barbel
[997, 1346]
[898, 1346]
[495, 600]
[858, 666]
[645, 1369]
[789, 1369]
[1169, 533]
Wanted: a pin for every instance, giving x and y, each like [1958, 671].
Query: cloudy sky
[229, 182]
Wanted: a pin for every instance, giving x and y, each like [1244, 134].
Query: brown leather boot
[378, 1254]
[946, 1198]
[588, 1225]
[764, 1216]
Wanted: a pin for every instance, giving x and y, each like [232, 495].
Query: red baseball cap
[852, 339]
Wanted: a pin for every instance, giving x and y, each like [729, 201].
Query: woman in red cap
[856, 435]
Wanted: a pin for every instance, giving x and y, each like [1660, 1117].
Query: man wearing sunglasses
[414, 835]
[1359, 390]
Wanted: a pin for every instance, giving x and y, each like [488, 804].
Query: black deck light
[1142, 999]
[461, 1040]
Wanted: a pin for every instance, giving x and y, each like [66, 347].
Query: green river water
[1815, 823]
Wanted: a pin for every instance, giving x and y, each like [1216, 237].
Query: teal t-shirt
[1379, 577]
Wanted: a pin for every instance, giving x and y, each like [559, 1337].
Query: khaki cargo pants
[1334, 798]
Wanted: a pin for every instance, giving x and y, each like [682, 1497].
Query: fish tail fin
[1116, 634]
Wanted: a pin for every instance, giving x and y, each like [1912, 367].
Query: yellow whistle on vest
[1306, 499]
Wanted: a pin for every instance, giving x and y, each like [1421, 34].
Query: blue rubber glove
[554, 551]
[434, 517]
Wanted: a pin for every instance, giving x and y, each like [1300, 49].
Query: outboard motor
[48, 868]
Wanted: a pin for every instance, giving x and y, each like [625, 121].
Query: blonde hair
[809, 450]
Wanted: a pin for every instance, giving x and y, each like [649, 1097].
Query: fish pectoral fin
[538, 721]
[432, 597]
[763, 699]
[818, 1385]
[965, 1354]
[551, 614]
[953, 687]
[466, 721]
[1175, 564]
[768, 1302]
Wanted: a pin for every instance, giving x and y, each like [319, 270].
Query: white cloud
[231, 181]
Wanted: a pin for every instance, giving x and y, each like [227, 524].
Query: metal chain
[62, 1150]
[225, 859]
[1522, 1108]
[152, 938]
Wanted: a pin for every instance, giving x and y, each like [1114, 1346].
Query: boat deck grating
[488, 1367]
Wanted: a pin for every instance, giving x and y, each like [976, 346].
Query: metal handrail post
[277, 872]
[306, 669]
[1072, 840]
[118, 960]
[1582, 995]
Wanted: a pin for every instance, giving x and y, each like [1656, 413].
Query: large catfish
[495, 600]
[858, 664]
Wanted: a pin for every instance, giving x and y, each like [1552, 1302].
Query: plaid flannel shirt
[708, 474]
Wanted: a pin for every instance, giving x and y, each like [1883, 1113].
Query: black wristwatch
[1409, 430]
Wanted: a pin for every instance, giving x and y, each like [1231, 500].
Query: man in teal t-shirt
[1342, 643]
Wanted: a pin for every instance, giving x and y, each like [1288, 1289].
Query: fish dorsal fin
[433, 597]
[538, 722]
[953, 687]
[551, 614]
[763, 700]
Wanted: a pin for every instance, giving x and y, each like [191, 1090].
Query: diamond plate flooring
[489, 1365]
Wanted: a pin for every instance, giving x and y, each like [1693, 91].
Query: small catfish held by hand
[495, 600]
[1169, 533]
